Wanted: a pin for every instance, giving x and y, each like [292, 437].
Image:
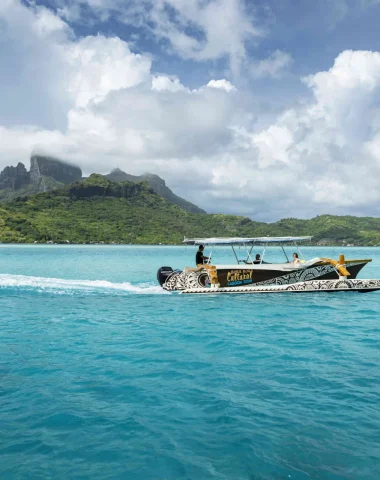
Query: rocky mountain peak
[14, 177]
[46, 173]
[43, 166]
[157, 184]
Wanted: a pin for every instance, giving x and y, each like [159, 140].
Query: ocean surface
[103, 375]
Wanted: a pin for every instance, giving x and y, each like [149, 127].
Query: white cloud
[217, 28]
[100, 65]
[113, 107]
[70, 12]
[149, 124]
[274, 66]
[320, 156]
[323, 156]
[46, 23]
[272, 145]
[17, 143]
[197, 29]
[222, 84]
[33, 66]
[162, 82]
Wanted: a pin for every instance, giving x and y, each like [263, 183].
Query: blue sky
[314, 33]
[277, 101]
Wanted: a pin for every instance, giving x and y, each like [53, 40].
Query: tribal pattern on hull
[311, 286]
[299, 276]
[185, 280]
[335, 285]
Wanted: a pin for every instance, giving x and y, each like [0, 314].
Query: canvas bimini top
[243, 241]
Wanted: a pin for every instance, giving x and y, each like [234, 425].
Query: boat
[253, 274]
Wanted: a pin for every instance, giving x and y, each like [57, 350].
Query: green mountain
[158, 185]
[46, 173]
[97, 210]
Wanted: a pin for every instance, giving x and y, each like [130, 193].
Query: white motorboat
[252, 275]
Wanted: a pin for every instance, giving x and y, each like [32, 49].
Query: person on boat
[296, 260]
[200, 259]
[257, 259]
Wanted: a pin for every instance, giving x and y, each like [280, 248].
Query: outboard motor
[163, 273]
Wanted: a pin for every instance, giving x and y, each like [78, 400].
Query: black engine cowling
[163, 273]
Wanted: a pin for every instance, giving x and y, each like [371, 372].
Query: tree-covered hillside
[98, 210]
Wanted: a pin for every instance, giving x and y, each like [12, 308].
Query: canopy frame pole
[283, 249]
[298, 250]
[209, 256]
[262, 257]
[235, 254]
[249, 253]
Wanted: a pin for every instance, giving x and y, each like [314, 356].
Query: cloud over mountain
[93, 100]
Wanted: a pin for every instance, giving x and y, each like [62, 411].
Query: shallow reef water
[103, 375]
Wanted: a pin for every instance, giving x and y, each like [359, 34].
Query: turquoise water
[105, 376]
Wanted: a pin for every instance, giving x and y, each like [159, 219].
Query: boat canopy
[242, 241]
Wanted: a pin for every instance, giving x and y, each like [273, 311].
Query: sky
[268, 109]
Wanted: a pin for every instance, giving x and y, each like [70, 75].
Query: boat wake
[63, 286]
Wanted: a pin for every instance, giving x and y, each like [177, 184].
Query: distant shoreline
[64, 244]
[99, 211]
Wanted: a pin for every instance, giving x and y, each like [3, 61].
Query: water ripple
[101, 382]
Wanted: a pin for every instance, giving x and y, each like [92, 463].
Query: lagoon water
[105, 376]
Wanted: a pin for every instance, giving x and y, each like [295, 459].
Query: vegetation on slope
[158, 185]
[46, 184]
[97, 210]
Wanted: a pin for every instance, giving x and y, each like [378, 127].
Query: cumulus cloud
[222, 84]
[18, 142]
[33, 65]
[197, 29]
[216, 28]
[100, 65]
[162, 82]
[274, 66]
[205, 141]
[318, 156]
[114, 108]
[46, 23]
[148, 124]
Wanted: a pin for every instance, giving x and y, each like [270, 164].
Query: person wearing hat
[200, 259]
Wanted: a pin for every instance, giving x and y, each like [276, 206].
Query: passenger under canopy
[248, 243]
[256, 276]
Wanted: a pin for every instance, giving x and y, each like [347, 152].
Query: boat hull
[242, 276]
[315, 286]
[260, 275]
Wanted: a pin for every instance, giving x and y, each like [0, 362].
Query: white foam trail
[62, 285]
